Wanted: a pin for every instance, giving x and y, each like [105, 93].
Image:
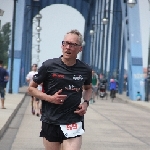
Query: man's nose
[68, 46]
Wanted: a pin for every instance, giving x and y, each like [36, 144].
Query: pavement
[14, 101]
[12, 104]
[140, 104]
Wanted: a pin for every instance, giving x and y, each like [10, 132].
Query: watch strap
[87, 102]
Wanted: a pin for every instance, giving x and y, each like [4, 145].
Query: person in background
[38, 103]
[6, 79]
[29, 78]
[95, 83]
[3, 77]
[112, 87]
[62, 109]
[138, 96]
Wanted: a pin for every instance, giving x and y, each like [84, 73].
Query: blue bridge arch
[104, 51]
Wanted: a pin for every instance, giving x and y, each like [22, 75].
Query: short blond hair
[75, 31]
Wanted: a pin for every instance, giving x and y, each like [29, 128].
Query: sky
[7, 6]
[56, 23]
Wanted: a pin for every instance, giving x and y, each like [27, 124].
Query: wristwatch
[87, 102]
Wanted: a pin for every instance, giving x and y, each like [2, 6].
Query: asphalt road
[109, 125]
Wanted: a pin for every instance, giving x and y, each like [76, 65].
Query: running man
[62, 109]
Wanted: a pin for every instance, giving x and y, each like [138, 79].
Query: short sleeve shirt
[94, 79]
[55, 75]
[3, 74]
[30, 75]
[112, 85]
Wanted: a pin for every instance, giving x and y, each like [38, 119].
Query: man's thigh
[72, 143]
[51, 145]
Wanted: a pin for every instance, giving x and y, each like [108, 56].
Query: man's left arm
[87, 92]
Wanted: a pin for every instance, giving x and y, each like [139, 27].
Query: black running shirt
[55, 75]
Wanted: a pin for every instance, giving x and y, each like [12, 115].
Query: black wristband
[87, 102]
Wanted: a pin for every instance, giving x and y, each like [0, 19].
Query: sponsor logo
[72, 87]
[54, 75]
[77, 77]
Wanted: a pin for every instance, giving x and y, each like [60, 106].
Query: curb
[2, 131]
[132, 103]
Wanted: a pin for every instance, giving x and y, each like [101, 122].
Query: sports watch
[87, 102]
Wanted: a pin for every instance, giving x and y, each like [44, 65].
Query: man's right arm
[32, 90]
[56, 98]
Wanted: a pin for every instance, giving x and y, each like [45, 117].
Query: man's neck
[69, 62]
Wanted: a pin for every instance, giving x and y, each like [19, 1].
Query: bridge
[115, 36]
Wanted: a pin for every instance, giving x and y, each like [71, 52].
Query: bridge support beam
[17, 48]
[135, 60]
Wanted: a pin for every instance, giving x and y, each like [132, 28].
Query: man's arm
[57, 98]
[6, 76]
[87, 92]
[32, 90]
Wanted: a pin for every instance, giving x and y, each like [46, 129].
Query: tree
[5, 33]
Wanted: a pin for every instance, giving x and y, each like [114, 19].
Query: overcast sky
[56, 23]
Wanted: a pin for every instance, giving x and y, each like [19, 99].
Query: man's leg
[40, 105]
[37, 108]
[33, 103]
[51, 145]
[94, 93]
[2, 103]
[2, 98]
[72, 143]
[110, 93]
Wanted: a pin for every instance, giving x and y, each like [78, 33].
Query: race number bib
[72, 130]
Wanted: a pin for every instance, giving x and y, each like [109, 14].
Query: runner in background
[29, 78]
[95, 83]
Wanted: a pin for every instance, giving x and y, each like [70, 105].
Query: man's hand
[82, 108]
[57, 98]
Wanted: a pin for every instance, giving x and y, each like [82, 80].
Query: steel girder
[104, 51]
[25, 12]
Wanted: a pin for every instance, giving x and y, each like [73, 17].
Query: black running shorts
[53, 133]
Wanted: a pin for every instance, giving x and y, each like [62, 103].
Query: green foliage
[5, 33]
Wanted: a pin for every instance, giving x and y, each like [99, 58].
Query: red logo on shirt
[54, 75]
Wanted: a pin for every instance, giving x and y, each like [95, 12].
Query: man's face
[71, 46]
[34, 68]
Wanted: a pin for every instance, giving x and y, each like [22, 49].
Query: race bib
[72, 130]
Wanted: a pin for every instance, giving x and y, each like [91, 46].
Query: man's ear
[80, 49]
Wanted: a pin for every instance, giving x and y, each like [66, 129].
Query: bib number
[72, 130]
